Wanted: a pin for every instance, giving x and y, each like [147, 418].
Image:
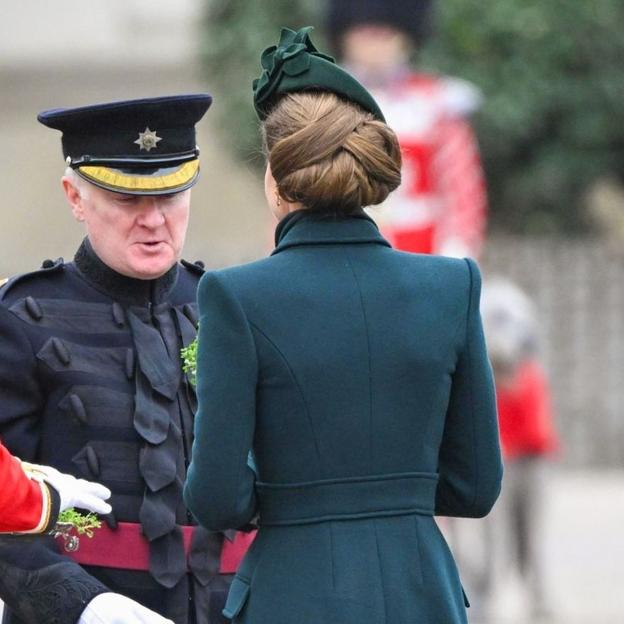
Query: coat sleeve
[469, 462]
[32, 572]
[219, 489]
[26, 505]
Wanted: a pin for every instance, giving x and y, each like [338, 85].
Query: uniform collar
[305, 227]
[125, 289]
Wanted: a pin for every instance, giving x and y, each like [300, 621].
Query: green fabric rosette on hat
[294, 64]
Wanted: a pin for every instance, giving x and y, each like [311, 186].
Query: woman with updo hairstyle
[345, 395]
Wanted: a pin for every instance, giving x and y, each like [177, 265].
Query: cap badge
[148, 140]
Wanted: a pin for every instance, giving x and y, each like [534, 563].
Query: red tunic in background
[525, 413]
[21, 499]
[441, 205]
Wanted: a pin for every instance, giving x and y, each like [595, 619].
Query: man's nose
[151, 214]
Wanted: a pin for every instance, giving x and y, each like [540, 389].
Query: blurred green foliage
[553, 116]
[552, 121]
[189, 361]
[236, 32]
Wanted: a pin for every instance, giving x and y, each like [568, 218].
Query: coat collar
[304, 227]
[126, 289]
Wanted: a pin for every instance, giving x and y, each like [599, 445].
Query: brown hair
[330, 154]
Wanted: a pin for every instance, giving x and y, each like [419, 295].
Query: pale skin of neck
[278, 205]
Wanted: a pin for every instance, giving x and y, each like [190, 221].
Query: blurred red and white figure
[441, 205]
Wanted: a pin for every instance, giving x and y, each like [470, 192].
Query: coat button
[78, 408]
[119, 317]
[33, 308]
[92, 461]
[61, 350]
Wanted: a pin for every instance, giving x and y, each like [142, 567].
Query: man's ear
[74, 198]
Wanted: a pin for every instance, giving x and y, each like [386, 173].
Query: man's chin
[152, 268]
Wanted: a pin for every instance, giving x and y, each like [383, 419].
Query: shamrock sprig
[80, 523]
[189, 361]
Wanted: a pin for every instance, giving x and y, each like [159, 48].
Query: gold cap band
[180, 178]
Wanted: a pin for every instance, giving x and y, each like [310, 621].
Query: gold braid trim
[46, 509]
[114, 179]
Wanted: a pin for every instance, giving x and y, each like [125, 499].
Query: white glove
[73, 492]
[112, 608]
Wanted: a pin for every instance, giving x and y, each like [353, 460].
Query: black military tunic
[91, 383]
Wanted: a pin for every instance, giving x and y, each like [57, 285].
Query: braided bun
[330, 154]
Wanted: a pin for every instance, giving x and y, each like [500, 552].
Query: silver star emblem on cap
[148, 140]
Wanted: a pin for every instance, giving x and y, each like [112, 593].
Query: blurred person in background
[528, 439]
[31, 496]
[510, 540]
[356, 373]
[441, 205]
[91, 377]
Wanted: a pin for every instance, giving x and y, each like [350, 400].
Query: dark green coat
[358, 376]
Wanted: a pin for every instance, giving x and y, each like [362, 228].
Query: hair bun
[330, 154]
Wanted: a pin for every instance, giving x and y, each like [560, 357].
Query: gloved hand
[113, 608]
[73, 492]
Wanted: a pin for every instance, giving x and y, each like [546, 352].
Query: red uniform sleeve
[25, 504]
[461, 187]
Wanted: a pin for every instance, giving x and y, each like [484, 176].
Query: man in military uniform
[92, 383]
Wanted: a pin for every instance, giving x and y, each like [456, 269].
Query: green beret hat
[294, 64]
